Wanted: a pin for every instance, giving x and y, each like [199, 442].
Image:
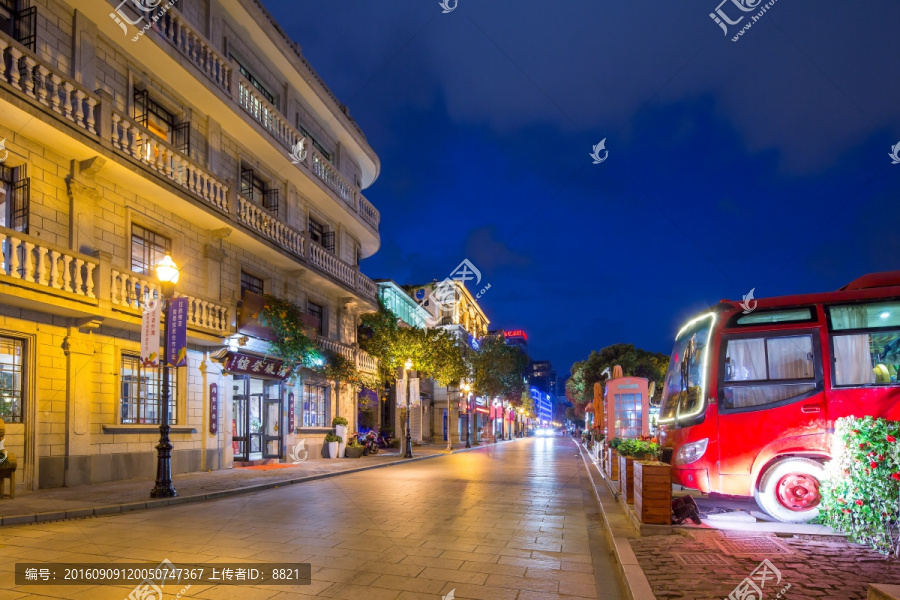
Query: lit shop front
[258, 399]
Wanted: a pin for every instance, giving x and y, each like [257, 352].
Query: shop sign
[213, 408]
[291, 412]
[246, 364]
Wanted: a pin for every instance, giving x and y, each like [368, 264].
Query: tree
[634, 362]
[498, 370]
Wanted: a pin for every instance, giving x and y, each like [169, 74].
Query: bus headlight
[691, 452]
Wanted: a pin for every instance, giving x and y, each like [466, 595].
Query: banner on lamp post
[414, 399]
[401, 393]
[150, 334]
[176, 332]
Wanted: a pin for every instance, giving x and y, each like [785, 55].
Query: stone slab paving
[823, 567]
[54, 502]
[507, 522]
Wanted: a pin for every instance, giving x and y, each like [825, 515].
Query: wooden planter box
[626, 478]
[653, 492]
[612, 464]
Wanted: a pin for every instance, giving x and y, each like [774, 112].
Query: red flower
[863, 445]
[896, 476]
[891, 439]
[846, 510]
[859, 502]
[873, 464]
[856, 432]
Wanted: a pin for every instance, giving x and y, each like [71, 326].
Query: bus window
[760, 371]
[683, 395]
[870, 355]
[783, 315]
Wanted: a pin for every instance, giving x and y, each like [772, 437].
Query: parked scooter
[370, 444]
[384, 439]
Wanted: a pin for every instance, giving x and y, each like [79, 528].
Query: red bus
[752, 392]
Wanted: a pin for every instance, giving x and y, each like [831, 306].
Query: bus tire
[789, 489]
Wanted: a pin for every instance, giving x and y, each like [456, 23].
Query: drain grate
[699, 559]
[752, 546]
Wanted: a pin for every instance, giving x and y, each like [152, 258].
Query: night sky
[761, 163]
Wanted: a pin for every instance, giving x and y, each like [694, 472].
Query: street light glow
[166, 270]
[407, 365]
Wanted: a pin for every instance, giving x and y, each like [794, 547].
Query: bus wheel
[789, 490]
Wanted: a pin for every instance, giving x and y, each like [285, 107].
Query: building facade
[200, 132]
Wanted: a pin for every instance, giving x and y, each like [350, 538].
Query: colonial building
[195, 129]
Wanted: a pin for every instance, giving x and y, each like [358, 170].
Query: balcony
[131, 291]
[30, 260]
[363, 361]
[303, 248]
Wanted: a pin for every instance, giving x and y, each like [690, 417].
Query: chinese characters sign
[291, 422]
[150, 334]
[245, 364]
[176, 332]
[213, 408]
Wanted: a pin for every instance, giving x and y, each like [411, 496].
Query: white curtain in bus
[790, 357]
[746, 360]
[852, 353]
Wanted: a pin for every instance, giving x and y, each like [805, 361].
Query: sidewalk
[703, 563]
[134, 494]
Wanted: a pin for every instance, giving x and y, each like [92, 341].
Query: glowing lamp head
[407, 365]
[467, 388]
[167, 271]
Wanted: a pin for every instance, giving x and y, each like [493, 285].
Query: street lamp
[466, 389]
[407, 366]
[167, 273]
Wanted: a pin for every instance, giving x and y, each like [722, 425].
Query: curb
[44, 517]
[619, 530]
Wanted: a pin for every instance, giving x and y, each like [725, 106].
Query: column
[79, 350]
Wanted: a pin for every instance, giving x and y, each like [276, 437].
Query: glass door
[271, 430]
[255, 413]
[239, 424]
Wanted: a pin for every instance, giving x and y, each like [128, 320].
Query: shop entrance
[256, 428]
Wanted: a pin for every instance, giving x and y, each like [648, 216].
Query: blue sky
[761, 163]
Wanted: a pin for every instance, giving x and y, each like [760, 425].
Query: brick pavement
[825, 567]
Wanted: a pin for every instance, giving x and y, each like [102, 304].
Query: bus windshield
[685, 387]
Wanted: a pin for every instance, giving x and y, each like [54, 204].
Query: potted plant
[354, 448]
[653, 489]
[626, 451]
[340, 429]
[333, 442]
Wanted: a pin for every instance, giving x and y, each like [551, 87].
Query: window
[12, 372]
[314, 412]
[254, 81]
[782, 315]
[869, 352]
[251, 283]
[759, 371]
[142, 393]
[161, 122]
[314, 141]
[15, 197]
[19, 21]
[320, 235]
[258, 190]
[147, 249]
[317, 311]
[628, 421]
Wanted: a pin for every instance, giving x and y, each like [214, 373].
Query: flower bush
[634, 447]
[861, 492]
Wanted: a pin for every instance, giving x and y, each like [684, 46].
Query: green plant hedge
[635, 447]
[861, 492]
[339, 421]
[332, 438]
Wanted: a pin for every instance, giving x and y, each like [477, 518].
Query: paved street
[514, 521]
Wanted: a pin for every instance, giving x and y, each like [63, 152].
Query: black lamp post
[407, 366]
[467, 387]
[167, 273]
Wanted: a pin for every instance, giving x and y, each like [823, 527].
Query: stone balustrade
[331, 264]
[32, 260]
[58, 92]
[325, 171]
[172, 25]
[137, 142]
[134, 290]
[363, 361]
[264, 113]
[368, 212]
[264, 222]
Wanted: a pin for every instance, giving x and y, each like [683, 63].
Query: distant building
[517, 338]
[539, 376]
[542, 406]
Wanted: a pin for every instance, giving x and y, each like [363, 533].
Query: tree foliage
[634, 362]
[498, 370]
